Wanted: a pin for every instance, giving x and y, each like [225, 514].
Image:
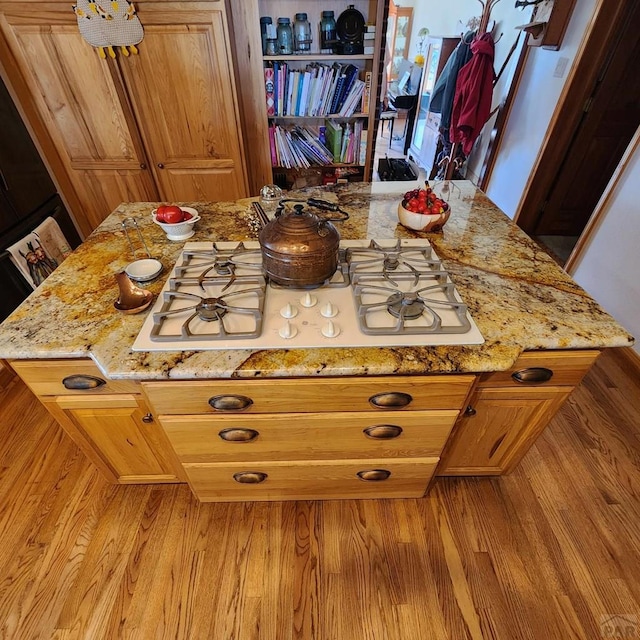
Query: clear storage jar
[302, 33]
[285, 37]
[265, 22]
[327, 32]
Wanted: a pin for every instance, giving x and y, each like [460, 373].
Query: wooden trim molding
[603, 206]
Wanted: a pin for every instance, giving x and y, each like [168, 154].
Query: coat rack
[451, 162]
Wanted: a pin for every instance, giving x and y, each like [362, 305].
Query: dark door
[608, 123]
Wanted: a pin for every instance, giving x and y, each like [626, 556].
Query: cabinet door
[116, 437]
[183, 92]
[82, 105]
[498, 429]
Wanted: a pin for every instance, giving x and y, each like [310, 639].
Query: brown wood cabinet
[160, 125]
[509, 410]
[114, 429]
[309, 438]
[298, 439]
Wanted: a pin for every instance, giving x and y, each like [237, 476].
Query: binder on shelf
[339, 85]
[353, 99]
[269, 90]
[362, 159]
[333, 136]
[276, 69]
[366, 95]
[272, 146]
[346, 136]
[350, 75]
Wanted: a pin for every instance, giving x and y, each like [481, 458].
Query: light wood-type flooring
[550, 552]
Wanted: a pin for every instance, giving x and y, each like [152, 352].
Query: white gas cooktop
[391, 294]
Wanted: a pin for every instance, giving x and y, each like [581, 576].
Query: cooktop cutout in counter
[384, 293]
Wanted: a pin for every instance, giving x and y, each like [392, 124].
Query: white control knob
[308, 300]
[330, 330]
[329, 310]
[288, 331]
[289, 311]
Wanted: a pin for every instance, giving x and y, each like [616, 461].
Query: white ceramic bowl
[144, 270]
[179, 230]
[427, 222]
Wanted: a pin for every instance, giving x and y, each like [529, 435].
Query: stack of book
[297, 148]
[317, 90]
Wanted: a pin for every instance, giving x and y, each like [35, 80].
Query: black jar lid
[301, 17]
[283, 21]
[266, 20]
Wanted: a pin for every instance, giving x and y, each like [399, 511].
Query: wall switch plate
[561, 67]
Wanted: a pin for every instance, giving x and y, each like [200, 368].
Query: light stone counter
[518, 296]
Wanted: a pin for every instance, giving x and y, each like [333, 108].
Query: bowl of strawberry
[423, 210]
[177, 222]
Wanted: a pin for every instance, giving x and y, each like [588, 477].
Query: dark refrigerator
[27, 197]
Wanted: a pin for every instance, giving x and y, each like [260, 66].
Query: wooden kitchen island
[310, 431]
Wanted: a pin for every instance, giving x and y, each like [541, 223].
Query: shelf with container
[260, 118]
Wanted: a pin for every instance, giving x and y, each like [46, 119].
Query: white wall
[608, 267]
[532, 110]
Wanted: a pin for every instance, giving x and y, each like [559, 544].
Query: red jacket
[474, 90]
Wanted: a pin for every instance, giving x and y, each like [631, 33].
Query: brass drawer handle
[390, 400]
[236, 434]
[532, 374]
[230, 403]
[82, 381]
[250, 477]
[374, 475]
[382, 431]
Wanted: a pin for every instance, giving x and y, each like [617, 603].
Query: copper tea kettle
[299, 248]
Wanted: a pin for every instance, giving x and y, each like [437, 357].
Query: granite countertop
[518, 296]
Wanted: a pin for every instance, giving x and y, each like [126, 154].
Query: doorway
[598, 119]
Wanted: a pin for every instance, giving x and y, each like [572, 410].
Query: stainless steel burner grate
[404, 309]
[229, 308]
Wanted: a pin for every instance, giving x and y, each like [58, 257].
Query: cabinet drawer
[198, 438]
[62, 377]
[565, 367]
[310, 480]
[308, 395]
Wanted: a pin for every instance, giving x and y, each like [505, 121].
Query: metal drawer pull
[382, 431]
[470, 411]
[532, 374]
[250, 477]
[236, 434]
[81, 381]
[230, 403]
[374, 475]
[390, 400]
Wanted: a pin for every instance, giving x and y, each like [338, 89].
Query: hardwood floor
[547, 553]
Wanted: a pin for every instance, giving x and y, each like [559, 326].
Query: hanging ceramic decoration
[109, 24]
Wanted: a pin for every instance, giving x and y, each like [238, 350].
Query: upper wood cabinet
[160, 125]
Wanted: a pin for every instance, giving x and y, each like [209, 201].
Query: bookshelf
[293, 117]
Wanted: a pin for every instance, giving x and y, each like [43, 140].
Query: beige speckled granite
[519, 298]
